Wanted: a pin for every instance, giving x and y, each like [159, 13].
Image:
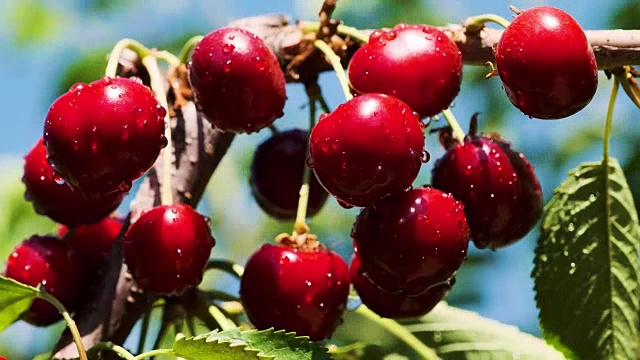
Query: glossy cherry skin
[102, 136]
[395, 306]
[412, 240]
[92, 242]
[58, 201]
[237, 80]
[296, 290]
[49, 261]
[426, 67]
[546, 64]
[276, 175]
[498, 186]
[167, 249]
[367, 148]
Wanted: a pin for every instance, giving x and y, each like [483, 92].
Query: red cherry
[296, 290]
[49, 261]
[412, 241]
[276, 175]
[167, 249]
[58, 201]
[369, 147]
[498, 186]
[546, 64]
[237, 80]
[102, 136]
[391, 305]
[92, 242]
[426, 67]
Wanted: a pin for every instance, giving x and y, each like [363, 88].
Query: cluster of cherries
[409, 242]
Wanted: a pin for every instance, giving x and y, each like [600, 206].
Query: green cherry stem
[187, 47]
[303, 200]
[114, 56]
[400, 332]
[477, 22]
[75, 333]
[157, 85]
[609, 121]
[227, 266]
[337, 66]
[458, 133]
[168, 57]
[224, 322]
[119, 350]
[151, 353]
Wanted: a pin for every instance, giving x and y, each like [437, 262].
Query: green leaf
[461, 334]
[33, 22]
[586, 264]
[15, 298]
[235, 344]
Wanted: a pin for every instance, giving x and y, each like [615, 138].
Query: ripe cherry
[498, 186]
[426, 67]
[412, 240]
[369, 147]
[102, 136]
[167, 249]
[48, 261]
[92, 242]
[237, 80]
[546, 64]
[276, 175]
[58, 201]
[304, 291]
[395, 306]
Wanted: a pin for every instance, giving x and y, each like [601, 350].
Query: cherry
[276, 175]
[546, 64]
[498, 186]
[426, 67]
[92, 242]
[304, 291]
[395, 306]
[59, 201]
[369, 147]
[412, 240]
[48, 261]
[167, 249]
[237, 80]
[102, 136]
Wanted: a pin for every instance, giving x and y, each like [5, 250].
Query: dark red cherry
[369, 147]
[102, 136]
[58, 201]
[304, 291]
[412, 241]
[92, 242]
[498, 186]
[237, 80]
[546, 64]
[395, 306]
[426, 67]
[167, 249]
[48, 261]
[276, 175]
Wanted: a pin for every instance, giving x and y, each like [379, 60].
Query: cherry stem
[144, 328]
[337, 66]
[75, 333]
[274, 129]
[323, 104]
[222, 319]
[457, 132]
[608, 122]
[183, 57]
[477, 22]
[168, 57]
[349, 31]
[303, 200]
[122, 352]
[157, 85]
[151, 353]
[114, 56]
[227, 266]
[400, 332]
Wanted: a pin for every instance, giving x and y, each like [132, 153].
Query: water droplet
[106, 80]
[231, 37]
[125, 186]
[390, 35]
[163, 142]
[308, 283]
[162, 112]
[57, 178]
[425, 156]
[77, 87]
[310, 163]
[227, 48]
[227, 66]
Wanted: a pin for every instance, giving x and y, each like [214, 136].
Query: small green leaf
[15, 298]
[586, 264]
[235, 344]
[460, 334]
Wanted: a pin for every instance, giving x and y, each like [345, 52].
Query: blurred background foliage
[49, 45]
